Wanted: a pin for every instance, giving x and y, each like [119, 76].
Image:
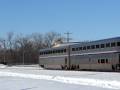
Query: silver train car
[102, 55]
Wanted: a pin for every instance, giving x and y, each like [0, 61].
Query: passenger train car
[94, 55]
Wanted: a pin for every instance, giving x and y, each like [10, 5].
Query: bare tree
[18, 49]
[50, 37]
[2, 50]
[26, 49]
[10, 36]
[37, 39]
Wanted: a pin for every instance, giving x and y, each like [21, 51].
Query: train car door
[90, 63]
[119, 58]
[65, 61]
[65, 66]
[118, 65]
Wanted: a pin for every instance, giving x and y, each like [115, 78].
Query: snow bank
[31, 67]
[2, 66]
[68, 80]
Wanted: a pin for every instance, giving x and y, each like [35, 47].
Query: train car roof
[83, 43]
[108, 40]
[60, 46]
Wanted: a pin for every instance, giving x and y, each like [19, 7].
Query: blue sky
[85, 19]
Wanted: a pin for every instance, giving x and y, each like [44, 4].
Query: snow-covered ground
[15, 83]
[35, 78]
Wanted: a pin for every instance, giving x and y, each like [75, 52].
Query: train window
[41, 53]
[61, 51]
[76, 49]
[64, 50]
[84, 48]
[106, 60]
[48, 52]
[113, 44]
[102, 45]
[55, 51]
[73, 49]
[51, 52]
[118, 43]
[102, 60]
[58, 51]
[80, 48]
[97, 46]
[44, 53]
[88, 47]
[93, 47]
[98, 60]
[107, 44]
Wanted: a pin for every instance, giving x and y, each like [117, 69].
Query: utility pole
[23, 57]
[68, 50]
[4, 52]
[68, 36]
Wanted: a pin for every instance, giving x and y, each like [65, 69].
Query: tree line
[24, 49]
